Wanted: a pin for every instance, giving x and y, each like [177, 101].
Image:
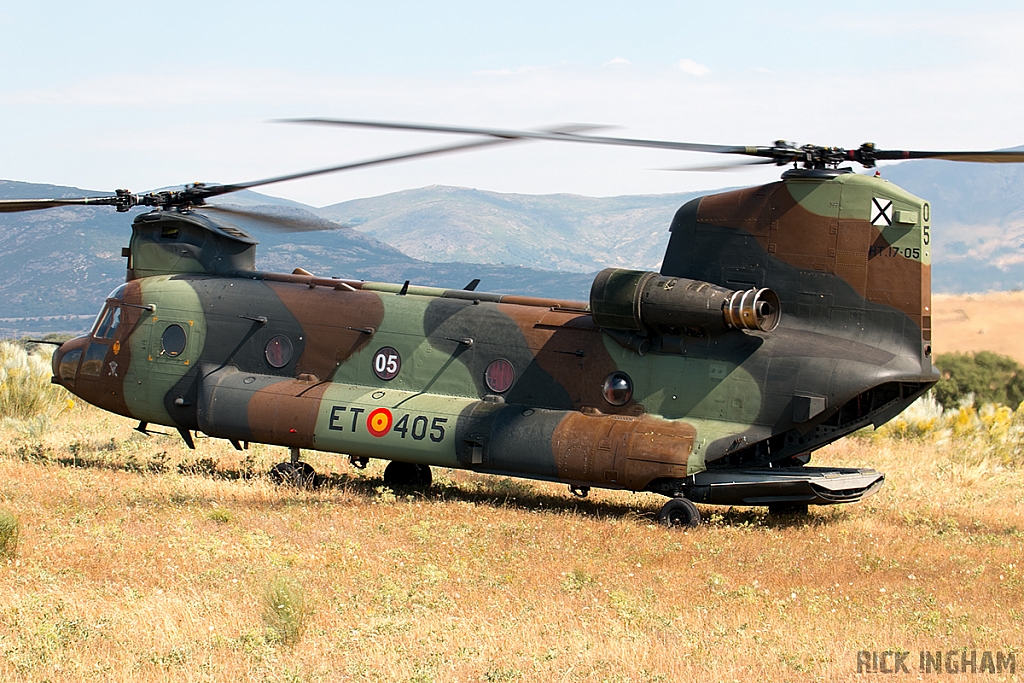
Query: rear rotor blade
[992, 157]
[734, 166]
[538, 135]
[781, 153]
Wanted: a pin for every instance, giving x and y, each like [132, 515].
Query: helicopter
[784, 317]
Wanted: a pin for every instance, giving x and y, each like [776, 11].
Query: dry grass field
[980, 322]
[140, 561]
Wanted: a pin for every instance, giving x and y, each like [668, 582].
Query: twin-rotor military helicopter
[784, 317]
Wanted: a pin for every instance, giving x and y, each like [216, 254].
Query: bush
[25, 390]
[992, 430]
[10, 532]
[921, 419]
[990, 377]
[284, 610]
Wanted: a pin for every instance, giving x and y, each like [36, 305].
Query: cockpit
[84, 357]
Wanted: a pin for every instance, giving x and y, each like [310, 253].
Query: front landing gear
[679, 513]
[406, 475]
[295, 473]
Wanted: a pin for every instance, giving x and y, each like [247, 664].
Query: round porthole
[172, 342]
[278, 351]
[499, 376]
[617, 389]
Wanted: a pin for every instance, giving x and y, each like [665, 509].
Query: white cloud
[693, 68]
[618, 61]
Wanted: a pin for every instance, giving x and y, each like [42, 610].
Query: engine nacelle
[644, 301]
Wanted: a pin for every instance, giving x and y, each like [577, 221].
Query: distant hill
[558, 231]
[977, 221]
[59, 264]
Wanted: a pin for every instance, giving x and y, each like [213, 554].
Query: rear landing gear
[294, 473]
[406, 475]
[301, 474]
[679, 513]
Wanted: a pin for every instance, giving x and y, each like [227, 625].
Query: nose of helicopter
[55, 363]
[65, 362]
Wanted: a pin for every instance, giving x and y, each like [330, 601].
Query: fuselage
[518, 385]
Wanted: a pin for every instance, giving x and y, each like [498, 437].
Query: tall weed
[10, 533]
[991, 430]
[26, 395]
[284, 610]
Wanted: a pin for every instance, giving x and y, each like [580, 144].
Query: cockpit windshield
[109, 318]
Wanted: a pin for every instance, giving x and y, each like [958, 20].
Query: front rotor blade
[199, 192]
[277, 218]
[992, 157]
[215, 190]
[542, 135]
[14, 205]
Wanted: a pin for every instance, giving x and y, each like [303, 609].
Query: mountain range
[59, 264]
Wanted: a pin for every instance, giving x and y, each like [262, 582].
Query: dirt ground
[993, 321]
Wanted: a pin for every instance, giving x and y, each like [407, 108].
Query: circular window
[499, 376]
[617, 389]
[173, 341]
[278, 351]
[386, 363]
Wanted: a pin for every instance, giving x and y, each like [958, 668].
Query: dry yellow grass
[979, 322]
[124, 574]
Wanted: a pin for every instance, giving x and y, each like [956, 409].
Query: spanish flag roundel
[379, 421]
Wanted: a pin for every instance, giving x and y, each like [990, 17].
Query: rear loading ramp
[783, 485]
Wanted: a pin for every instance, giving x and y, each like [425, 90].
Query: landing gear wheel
[679, 513]
[299, 474]
[406, 474]
[792, 509]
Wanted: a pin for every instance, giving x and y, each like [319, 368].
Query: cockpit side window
[102, 321]
[111, 322]
[109, 318]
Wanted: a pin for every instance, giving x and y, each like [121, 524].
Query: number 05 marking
[386, 363]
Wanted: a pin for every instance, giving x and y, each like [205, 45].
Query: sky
[142, 95]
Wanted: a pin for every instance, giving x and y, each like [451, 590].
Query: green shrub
[25, 390]
[10, 532]
[220, 515]
[990, 377]
[284, 610]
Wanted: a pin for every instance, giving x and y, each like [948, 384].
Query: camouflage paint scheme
[853, 348]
